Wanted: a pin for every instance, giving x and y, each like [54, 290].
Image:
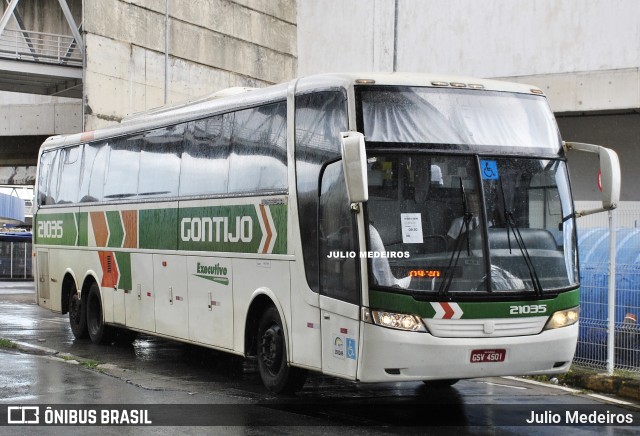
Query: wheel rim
[271, 348]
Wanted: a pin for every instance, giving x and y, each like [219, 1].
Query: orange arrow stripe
[110, 274]
[130, 223]
[267, 226]
[100, 229]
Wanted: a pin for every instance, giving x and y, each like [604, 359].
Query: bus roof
[238, 98]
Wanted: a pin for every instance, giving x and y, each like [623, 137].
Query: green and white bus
[375, 227]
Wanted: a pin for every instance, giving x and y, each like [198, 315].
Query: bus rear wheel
[78, 317]
[98, 331]
[275, 372]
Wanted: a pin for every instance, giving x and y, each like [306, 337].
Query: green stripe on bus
[279, 214]
[82, 218]
[116, 232]
[245, 228]
[158, 229]
[471, 310]
[234, 229]
[123, 259]
[56, 229]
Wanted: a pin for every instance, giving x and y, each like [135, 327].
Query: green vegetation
[90, 364]
[6, 343]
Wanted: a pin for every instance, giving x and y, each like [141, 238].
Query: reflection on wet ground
[156, 370]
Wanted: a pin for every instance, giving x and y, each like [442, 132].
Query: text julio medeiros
[368, 254]
[578, 417]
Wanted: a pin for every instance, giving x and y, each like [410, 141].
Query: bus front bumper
[395, 355]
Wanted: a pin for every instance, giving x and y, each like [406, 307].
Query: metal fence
[593, 240]
[15, 257]
[39, 47]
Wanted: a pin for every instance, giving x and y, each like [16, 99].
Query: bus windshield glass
[457, 118]
[440, 223]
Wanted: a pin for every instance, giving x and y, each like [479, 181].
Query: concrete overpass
[32, 61]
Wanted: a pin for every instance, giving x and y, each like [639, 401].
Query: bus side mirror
[610, 175]
[354, 164]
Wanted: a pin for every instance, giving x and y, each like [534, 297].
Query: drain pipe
[166, 51]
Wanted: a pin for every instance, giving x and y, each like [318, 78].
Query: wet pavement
[158, 371]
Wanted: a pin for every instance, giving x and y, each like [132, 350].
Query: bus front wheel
[275, 372]
[98, 331]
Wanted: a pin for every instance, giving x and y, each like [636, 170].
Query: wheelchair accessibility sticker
[489, 169]
[351, 348]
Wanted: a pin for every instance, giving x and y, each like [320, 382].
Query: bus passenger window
[205, 166]
[44, 180]
[258, 159]
[121, 181]
[160, 162]
[68, 185]
[94, 158]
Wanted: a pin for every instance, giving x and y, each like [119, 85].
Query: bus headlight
[398, 321]
[563, 318]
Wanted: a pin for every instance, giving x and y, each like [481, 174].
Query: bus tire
[98, 331]
[78, 317]
[275, 372]
[439, 384]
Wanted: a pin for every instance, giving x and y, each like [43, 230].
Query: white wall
[585, 54]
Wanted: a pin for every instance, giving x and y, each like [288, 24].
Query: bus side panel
[210, 300]
[171, 299]
[139, 303]
[306, 339]
[254, 276]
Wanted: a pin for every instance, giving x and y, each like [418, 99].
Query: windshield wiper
[511, 224]
[466, 226]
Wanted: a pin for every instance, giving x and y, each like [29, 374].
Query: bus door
[339, 285]
[42, 270]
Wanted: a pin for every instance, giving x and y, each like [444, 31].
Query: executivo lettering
[215, 273]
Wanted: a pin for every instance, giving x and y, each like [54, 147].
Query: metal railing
[33, 46]
[15, 260]
[593, 238]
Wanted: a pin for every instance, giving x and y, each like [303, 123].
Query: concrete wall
[491, 38]
[618, 131]
[213, 44]
[45, 15]
[51, 118]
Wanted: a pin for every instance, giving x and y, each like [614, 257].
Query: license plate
[484, 356]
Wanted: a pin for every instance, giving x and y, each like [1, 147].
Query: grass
[90, 364]
[6, 343]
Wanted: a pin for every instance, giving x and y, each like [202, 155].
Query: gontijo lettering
[205, 229]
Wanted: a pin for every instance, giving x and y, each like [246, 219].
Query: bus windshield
[446, 118]
[439, 223]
